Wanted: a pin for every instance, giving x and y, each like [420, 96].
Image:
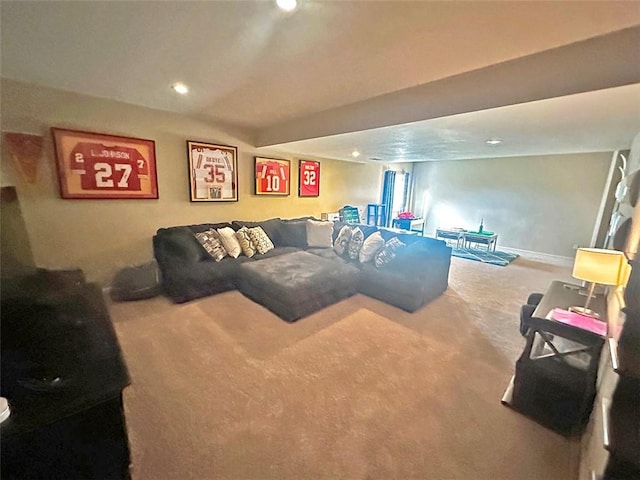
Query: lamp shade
[598, 265]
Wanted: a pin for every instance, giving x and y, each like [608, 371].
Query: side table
[488, 239]
[411, 224]
[456, 234]
[555, 376]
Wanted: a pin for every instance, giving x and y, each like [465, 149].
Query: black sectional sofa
[294, 280]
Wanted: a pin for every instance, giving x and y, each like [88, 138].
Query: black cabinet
[555, 376]
[63, 375]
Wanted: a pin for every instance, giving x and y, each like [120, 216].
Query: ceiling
[399, 81]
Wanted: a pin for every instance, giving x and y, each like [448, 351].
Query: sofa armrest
[177, 246]
[422, 259]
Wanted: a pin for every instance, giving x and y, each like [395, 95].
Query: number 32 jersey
[108, 168]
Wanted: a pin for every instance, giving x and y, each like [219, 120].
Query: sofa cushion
[201, 278]
[388, 252]
[203, 227]
[260, 240]
[248, 248]
[298, 284]
[293, 233]
[341, 243]
[355, 243]
[372, 245]
[328, 253]
[210, 241]
[230, 242]
[409, 238]
[319, 234]
[275, 252]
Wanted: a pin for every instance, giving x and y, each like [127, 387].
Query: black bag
[136, 283]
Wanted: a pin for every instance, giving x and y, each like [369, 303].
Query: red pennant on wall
[25, 150]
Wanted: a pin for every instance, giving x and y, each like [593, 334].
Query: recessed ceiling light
[180, 88]
[494, 141]
[355, 154]
[287, 5]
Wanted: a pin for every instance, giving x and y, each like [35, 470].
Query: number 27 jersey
[108, 168]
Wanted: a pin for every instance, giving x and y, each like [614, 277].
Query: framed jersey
[213, 172]
[272, 176]
[101, 166]
[309, 179]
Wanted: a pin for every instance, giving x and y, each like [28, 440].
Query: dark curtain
[387, 195]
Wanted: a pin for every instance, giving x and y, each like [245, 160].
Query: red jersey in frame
[272, 176]
[309, 181]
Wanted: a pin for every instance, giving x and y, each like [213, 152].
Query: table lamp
[598, 265]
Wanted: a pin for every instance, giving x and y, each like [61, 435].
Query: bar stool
[376, 212]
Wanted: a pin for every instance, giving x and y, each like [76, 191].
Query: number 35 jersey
[108, 168]
[213, 167]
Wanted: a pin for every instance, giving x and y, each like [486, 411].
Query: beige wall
[102, 236]
[544, 204]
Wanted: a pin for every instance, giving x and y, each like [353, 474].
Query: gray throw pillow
[210, 240]
[372, 245]
[355, 244]
[341, 245]
[319, 234]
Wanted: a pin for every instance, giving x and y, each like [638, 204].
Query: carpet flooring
[483, 255]
[223, 389]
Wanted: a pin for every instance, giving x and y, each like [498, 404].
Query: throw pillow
[260, 239]
[230, 242]
[271, 227]
[355, 244]
[388, 252]
[372, 245]
[293, 233]
[211, 243]
[245, 242]
[319, 234]
[341, 244]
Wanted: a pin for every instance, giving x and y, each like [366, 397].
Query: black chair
[526, 312]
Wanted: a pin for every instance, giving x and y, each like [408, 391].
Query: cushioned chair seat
[526, 311]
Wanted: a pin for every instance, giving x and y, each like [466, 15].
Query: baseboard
[545, 257]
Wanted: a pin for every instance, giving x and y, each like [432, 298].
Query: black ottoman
[297, 284]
